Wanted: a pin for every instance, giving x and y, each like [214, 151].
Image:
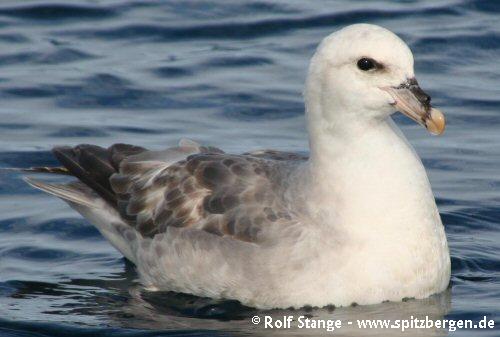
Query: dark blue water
[229, 74]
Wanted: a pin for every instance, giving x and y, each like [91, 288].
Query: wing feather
[239, 196]
[190, 186]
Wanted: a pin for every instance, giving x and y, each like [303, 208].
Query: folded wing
[190, 186]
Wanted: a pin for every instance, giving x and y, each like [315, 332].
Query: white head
[364, 73]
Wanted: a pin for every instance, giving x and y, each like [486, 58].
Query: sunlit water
[229, 74]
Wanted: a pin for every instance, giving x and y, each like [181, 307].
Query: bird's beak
[416, 104]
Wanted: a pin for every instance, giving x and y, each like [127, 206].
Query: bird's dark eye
[366, 64]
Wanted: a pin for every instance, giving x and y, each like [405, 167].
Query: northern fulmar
[355, 221]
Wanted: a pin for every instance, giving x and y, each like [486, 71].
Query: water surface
[229, 74]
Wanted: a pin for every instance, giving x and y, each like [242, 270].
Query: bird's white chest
[380, 236]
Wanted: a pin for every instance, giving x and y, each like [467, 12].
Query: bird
[354, 221]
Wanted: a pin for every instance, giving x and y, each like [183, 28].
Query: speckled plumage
[223, 194]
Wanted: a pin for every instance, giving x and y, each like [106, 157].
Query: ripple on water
[153, 72]
[50, 12]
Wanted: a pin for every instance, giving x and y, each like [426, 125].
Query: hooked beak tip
[435, 123]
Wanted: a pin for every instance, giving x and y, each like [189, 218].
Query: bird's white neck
[365, 175]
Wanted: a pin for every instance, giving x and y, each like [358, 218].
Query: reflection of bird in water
[355, 222]
[154, 310]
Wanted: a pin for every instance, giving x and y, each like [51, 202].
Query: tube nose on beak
[415, 103]
[421, 96]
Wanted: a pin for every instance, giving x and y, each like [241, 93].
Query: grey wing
[238, 196]
[190, 186]
[94, 197]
